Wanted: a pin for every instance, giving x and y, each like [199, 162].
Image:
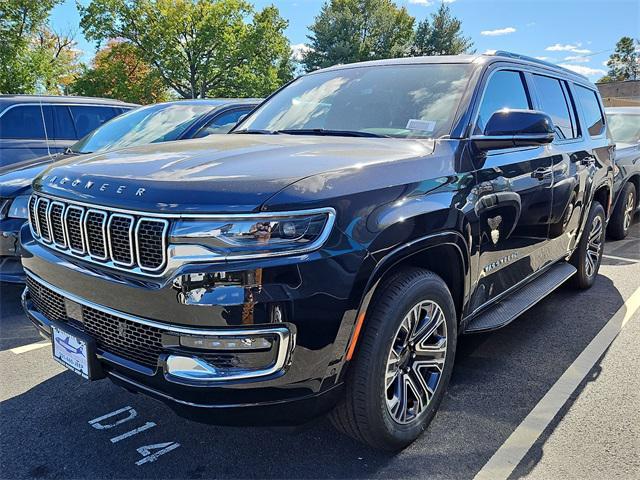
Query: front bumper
[313, 305]
[10, 267]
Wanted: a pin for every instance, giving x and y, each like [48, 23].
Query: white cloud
[427, 3]
[543, 58]
[298, 50]
[583, 70]
[577, 59]
[499, 31]
[558, 47]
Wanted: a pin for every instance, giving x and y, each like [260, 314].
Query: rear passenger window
[591, 110]
[22, 122]
[64, 123]
[555, 103]
[504, 90]
[88, 118]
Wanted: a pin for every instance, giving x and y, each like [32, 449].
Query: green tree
[198, 47]
[118, 71]
[20, 21]
[55, 60]
[356, 30]
[441, 36]
[624, 63]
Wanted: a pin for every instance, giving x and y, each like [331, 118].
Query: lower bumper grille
[133, 341]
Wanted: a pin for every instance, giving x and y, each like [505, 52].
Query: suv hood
[217, 174]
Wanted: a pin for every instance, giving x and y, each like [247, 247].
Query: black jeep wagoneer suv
[326, 254]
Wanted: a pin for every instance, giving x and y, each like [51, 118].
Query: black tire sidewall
[389, 432]
[616, 228]
[581, 279]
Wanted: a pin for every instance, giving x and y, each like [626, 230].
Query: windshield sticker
[421, 125]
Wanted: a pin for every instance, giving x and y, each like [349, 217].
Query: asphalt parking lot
[48, 416]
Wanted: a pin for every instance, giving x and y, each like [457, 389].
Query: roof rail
[504, 53]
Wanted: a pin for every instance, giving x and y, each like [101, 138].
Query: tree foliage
[118, 71]
[624, 63]
[356, 30]
[198, 47]
[55, 59]
[20, 58]
[441, 36]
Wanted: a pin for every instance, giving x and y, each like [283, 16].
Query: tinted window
[555, 104]
[64, 128]
[88, 118]
[504, 90]
[222, 123]
[403, 101]
[591, 110]
[22, 122]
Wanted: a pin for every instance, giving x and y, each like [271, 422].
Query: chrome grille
[74, 217]
[126, 242]
[95, 225]
[41, 215]
[55, 221]
[131, 340]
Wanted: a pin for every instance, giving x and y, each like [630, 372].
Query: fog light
[227, 343]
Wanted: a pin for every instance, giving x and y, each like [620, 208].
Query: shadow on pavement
[15, 329]
[498, 379]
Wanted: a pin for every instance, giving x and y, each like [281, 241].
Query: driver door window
[505, 89]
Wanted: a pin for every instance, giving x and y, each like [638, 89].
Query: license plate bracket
[76, 351]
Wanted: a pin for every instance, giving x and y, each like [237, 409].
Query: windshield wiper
[256, 132]
[335, 133]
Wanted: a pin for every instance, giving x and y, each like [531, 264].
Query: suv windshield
[156, 123]
[624, 128]
[403, 101]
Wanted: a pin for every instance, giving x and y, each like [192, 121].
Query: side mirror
[515, 128]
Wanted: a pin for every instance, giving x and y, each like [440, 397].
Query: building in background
[620, 94]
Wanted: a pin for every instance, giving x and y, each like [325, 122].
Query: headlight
[259, 235]
[19, 207]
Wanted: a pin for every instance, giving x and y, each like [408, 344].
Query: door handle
[588, 161]
[542, 173]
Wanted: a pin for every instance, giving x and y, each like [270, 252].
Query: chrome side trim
[131, 243]
[285, 337]
[104, 234]
[33, 217]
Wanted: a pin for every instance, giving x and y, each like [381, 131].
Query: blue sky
[579, 34]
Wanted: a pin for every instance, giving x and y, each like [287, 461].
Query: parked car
[36, 125]
[624, 123]
[152, 124]
[326, 254]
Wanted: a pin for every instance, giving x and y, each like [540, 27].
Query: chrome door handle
[542, 173]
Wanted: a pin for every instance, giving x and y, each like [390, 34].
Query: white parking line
[31, 346]
[622, 259]
[511, 453]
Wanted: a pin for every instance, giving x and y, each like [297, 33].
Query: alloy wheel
[594, 245]
[628, 211]
[416, 362]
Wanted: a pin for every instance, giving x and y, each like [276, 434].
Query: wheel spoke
[416, 361]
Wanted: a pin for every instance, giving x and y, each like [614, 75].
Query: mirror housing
[515, 128]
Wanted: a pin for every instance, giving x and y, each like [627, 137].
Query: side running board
[508, 309]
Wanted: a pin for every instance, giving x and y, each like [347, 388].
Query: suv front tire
[403, 363]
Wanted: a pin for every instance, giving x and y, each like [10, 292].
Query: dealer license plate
[70, 351]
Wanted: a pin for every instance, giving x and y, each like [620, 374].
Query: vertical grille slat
[74, 217]
[56, 212]
[117, 240]
[120, 233]
[95, 227]
[33, 217]
[43, 219]
[150, 239]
